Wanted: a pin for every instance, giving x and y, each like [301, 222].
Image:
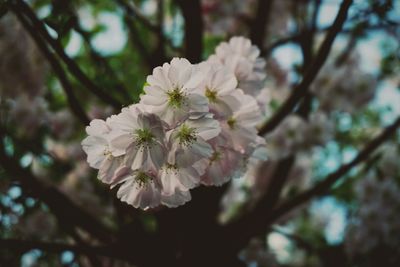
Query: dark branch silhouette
[324, 186]
[64, 209]
[191, 11]
[261, 219]
[39, 27]
[73, 102]
[258, 30]
[301, 89]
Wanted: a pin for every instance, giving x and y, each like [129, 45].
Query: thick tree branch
[191, 11]
[39, 26]
[134, 37]
[259, 24]
[322, 187]
[301, 89]
[73, 102]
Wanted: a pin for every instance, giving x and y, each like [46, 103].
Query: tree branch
[258, 26]
[294, 37]
[191, 11]
[133, 11]
[65, 210]
[104, 64]
[261, 219]
[71, 65]
[322, 187]
[73, 102]
[301, 89]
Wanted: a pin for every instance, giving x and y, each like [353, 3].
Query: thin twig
[294, 37]
[133, 11]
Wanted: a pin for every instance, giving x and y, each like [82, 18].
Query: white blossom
[97, 148]
[192, 126]
[140, 188]
[242, 58]
[172, 93]
[219, 87]
[139, 136]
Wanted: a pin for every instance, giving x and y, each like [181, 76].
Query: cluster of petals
[376, 223]
[193, 125]
[344, 87]
[296, 134]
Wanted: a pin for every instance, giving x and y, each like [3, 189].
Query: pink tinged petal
[140, 196]
[201, 148]
[97, 128]
[197, 103]
[153, 97]
[177, 199]
[147, 197]
[126, 120]
[214, 176]
[241, 138]
[185, 157]
[159, 77]
[170, 181]
[119, 142]
[157, 155]
[94, 147]
[153, 123]
[139, 159]
[224, 82]
[189, 177]
[223, 169]
[206, 128]
[121, 174]
[108, 169]
[197, 77]
[95, 159]
[172, 116]
[180, 72]
[201, 166]
[227, 105]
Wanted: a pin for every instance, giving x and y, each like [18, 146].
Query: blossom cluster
[297, 134]
[376, 223]
[194, 124]
[345, 87]
[227, 17]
